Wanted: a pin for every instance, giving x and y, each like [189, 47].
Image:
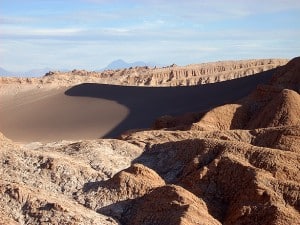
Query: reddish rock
[170, 204]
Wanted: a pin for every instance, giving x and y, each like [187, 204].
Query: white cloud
[55, 32]
[116, 31]
[17, 31]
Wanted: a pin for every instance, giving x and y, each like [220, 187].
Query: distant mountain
[121, 64]
[5, 73]
[35, 72]
[28, 73]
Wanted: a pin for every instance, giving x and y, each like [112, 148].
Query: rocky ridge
[173, 75]
[235, 164]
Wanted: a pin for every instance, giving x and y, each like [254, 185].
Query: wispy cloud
[91, 33]
[27, 32]
[15, 20]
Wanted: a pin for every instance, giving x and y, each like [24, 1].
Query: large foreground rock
[39, 182]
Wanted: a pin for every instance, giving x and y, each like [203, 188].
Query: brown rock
[226, 117]
[130, 183]
[282, 110]
[170, 204]
[39, 182]
[284, 138]
[25, 205]
[288, 76]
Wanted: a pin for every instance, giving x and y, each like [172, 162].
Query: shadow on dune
[145, 104]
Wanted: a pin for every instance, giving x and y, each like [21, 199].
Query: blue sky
[89, 34]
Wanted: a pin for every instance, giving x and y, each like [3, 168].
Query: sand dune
[89, 111]
[51, 115]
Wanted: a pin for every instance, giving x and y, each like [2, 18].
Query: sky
[89, 34]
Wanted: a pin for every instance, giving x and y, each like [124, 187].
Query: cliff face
[235, 164]
[206, 73]
[167, 76]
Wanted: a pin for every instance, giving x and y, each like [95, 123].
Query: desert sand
[51, 115]
[234, 162]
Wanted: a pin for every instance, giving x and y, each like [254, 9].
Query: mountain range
[28, 73]
[121, 64]
[114, 65]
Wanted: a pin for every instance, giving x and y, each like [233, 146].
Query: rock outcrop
[271, 105]
[163, 205]
[39, 182]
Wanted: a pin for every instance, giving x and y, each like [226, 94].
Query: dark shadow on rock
[145, 104]
[119, 210]
[169, 159]
[135, 211]
[93, 185]
[174, 161]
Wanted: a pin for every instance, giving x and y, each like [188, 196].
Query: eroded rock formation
[194, 74]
